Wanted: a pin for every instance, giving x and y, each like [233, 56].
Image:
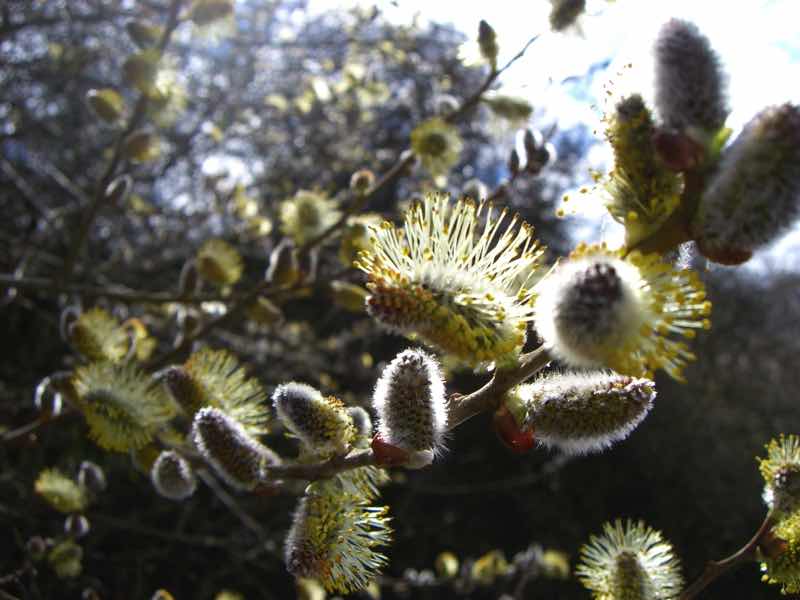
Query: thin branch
[26, 191]
[322, 470]
[94, 291]
[263, 288]
[100, 190]
[230, 502]
[12, 434]
[715, 569]
[489, 396]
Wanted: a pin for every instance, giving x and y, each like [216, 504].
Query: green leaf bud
[206, 12]
[106, 103]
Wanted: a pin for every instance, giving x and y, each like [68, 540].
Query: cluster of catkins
[469, 281]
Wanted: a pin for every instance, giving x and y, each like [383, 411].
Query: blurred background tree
[245, 112]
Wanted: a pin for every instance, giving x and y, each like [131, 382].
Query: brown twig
[44, 284]
[231, 504]
[321, 470]
[488, 397]
[715, 569]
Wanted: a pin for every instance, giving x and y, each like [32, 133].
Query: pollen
[459, 276]
[602, 308]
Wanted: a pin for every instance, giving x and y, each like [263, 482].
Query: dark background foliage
[688, 470]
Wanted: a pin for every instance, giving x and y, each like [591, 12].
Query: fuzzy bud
[447, 565]
[91, 477]
[623, 311]
[445, 104]
[36, 547]
[537, 153]
[238, 458]
[106, 103]
[487, 41]
[565, 12]
[361, 181]
[513, 163]
[47, 399]
[597, 305]
[690, 83]
[183, 388]
[76, 526]
[475, 189]
[754, 196]
[409, 399]
[118, 190]
[172, 476]
[362, 423]
[581, 412]
[284, 268]
[321, 423]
